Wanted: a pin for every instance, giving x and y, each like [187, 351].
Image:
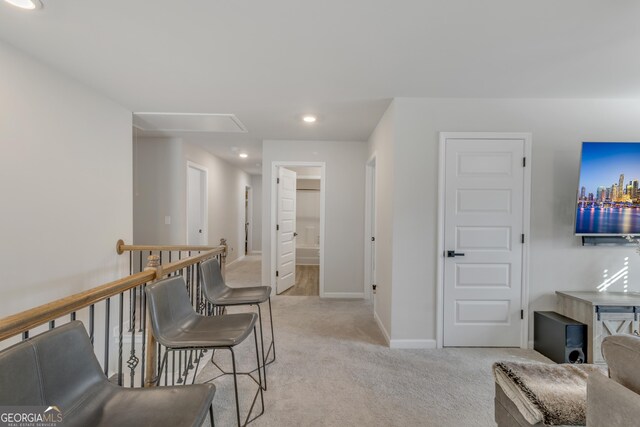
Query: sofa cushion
[622, 354]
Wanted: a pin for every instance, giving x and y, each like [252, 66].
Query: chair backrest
[213, 284]
[169, 307]
[55, 368]
[622, 353]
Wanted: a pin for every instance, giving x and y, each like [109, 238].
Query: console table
[604, 313]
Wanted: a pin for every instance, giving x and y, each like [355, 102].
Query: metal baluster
[92, 310]
[106, 335]
[131, 308]
[133, 360]
[120, 322]
[143, 314]
[173, 368]
[73, 316]
[180, 367]
[25, 335]
[52, 324]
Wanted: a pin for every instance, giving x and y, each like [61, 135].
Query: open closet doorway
[299, 229]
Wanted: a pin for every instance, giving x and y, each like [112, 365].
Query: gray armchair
[59, 368]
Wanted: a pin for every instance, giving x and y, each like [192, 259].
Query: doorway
[484, 233]
[298, 228]
[197, 212]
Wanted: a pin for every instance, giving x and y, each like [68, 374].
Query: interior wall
[256, 188]
[344, 209]
[557, 260]
[156, 188]
[65, 181]
[161, 190]
[381, 145]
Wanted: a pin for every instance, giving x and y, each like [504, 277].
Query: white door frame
[369, 200]
[526, 219]
[194, 165]
[248, 218]
[274, 214]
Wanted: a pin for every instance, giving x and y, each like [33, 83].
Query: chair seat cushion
[210, 331]
[135, 407]
[243, 296]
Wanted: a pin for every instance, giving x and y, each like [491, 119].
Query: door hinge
[373, 239]
[277, 273]
[277, 180]
[521, 314]
[522, 238]
[374, 288]
[524, 162]
[277, 227]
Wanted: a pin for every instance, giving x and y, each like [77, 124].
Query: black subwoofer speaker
[560, 338]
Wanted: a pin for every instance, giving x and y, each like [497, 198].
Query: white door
[196, 206]
[285, 230]
[483, 229]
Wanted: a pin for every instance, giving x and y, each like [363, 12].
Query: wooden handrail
[180, 264]
[122, 248]
[28, 319]
[21, 322]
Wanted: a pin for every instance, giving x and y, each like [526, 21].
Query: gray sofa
[612, 401]
[615, 401]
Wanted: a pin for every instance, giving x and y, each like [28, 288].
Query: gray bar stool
[59, 370]
[219, 294]
[178, 327]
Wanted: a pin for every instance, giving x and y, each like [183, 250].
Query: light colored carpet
[333, 369]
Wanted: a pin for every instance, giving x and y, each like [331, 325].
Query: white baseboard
[344, 295]
[422, 344]
[235, 260]
[382, 328]
[530, 346]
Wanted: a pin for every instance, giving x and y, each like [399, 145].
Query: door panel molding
[526, 221]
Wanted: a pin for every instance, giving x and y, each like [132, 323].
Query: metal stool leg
[264, 360]
[273, 338]
[235, 384]
[255, 338]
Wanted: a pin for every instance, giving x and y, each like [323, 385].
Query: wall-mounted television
[608, 202]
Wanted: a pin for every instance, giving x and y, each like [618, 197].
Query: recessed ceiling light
[309, 119]
[243, 155]
[26, 4]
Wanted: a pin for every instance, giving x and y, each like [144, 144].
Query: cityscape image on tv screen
[608, 192]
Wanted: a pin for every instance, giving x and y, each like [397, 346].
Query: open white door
[196, 205]
[483, 241]
[285, 230]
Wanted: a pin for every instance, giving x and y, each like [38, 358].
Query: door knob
[295, 234]
[453, 254]
[200, 231]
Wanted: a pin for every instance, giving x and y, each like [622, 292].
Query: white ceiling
[270, 62]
